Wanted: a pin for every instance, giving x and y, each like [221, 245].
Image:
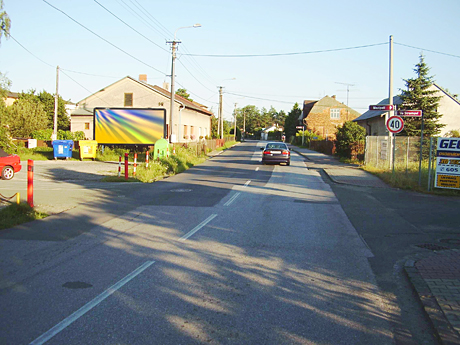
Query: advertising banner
[129, 126]
[448, 163]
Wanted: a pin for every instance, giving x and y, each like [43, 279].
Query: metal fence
[378, 151]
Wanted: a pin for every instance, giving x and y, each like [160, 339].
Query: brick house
[324, 116]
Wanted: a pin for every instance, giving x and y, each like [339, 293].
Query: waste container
[88, 149]
[62, 149]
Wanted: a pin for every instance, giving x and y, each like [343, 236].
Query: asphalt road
[229, 252]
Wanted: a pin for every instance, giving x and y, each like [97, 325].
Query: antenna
[348, 91]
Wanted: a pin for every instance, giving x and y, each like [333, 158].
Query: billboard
[129, 126]
[448, 163]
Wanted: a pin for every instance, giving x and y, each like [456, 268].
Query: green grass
[15, 214]
[409, 179]
[184, 159]
[227, 145]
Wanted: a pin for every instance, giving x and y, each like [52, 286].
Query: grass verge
[409, 178]
[184, 159]
[15, 214]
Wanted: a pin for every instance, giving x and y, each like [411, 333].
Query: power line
[113, 45]
[27, 50]
[286, 54]
[121, 20]
[166, 32]
[428, 50]
[263, 99]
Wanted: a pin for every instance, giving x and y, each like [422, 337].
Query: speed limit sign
[395, 124]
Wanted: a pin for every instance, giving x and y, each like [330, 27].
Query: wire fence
[378, 151]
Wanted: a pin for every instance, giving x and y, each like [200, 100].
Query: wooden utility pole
[56, 102]
[221, 116]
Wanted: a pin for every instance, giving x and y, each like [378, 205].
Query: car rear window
[276, 146]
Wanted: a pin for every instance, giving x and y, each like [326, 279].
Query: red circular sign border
[398, 117]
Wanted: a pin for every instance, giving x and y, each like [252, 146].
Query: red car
[9, 164]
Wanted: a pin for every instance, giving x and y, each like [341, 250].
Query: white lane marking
[232, 199]
[257, 169]
[90, 305]
[198, 227]
[247, 183]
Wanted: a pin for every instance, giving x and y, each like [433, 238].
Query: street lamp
[174, 44]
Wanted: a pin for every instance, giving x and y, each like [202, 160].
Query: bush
[347, 136]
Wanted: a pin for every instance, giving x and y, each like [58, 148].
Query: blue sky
[233, 28]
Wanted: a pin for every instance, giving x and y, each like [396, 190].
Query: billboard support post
[126, 165]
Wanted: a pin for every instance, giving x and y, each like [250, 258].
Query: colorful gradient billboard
[129, 126]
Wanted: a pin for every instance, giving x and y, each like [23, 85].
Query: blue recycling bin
[62, 149]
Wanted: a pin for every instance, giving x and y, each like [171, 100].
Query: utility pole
[221, 116]
[390, 101]
[234, 130]
[56, 102]
[174, 44]
[244, 123]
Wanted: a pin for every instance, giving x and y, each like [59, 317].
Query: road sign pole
[420, 156]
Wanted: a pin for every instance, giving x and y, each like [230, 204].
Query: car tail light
[285, 152]
[267, 152]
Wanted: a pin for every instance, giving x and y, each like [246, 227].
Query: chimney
[165, 85]
[333, 96]
[143, 77]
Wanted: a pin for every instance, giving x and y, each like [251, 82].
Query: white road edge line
[232, 199]
[90, 305]
[198, 227]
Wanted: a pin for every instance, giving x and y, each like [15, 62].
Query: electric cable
[285, 54]
[113, 45]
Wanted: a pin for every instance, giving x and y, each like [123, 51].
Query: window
[128, 99]
[335, 113]
[86, 125]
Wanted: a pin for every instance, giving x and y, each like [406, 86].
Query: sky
[341, 48]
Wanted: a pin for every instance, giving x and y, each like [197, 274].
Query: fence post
[119, 166]
[429, 165]
[147, 159]
[30, 182]
[135, 164]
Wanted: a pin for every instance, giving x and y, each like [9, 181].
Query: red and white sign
[417, 113]
[382, 107]
[395, 124]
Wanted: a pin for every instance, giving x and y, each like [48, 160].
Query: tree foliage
[419, 97]
[47, 100]
[5, 22]
[454, 133]
[24, 117]
[346, 136]
[184, 94]
[291, 121]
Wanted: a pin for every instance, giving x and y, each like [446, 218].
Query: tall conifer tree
[419, 97]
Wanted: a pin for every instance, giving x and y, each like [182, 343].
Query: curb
[444, 329]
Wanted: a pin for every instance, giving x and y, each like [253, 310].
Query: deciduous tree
[24, 117]
[5, 22]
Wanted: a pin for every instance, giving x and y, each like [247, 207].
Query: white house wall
[113, 96]
[78, 123]
[450, 110]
